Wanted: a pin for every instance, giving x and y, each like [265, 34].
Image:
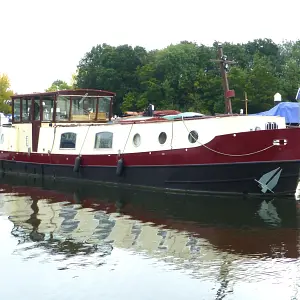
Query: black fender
[120, 167]
[77, 164]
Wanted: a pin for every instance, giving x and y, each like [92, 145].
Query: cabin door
[36, 123]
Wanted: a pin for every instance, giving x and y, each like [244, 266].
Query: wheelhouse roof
[91, 92]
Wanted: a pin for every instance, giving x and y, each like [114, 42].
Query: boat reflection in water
[206, 235]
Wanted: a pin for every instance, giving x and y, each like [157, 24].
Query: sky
[43, 40]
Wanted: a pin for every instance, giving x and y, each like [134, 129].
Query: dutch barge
[72, 134]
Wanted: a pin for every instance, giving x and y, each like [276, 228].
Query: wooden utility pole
[246, 103]
[224, 63]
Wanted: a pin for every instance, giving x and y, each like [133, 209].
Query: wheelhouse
[81, 105]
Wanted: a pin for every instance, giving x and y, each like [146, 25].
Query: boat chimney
[150, 110]
[277, 99]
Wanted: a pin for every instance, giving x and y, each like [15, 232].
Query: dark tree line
[183, 77]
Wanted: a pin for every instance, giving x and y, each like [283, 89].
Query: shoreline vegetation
[183, 77]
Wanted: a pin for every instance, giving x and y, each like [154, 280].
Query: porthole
[193, 136]
[162, 138]
[2, 139]
[136, 140]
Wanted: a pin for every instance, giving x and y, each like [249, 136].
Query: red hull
[242, 163]
[255, 146]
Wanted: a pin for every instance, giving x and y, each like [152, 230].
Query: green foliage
[112, 68]
[183, 77]
[59, 85]
[5, 93]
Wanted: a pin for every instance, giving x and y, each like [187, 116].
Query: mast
[246, 103]
[224, 64]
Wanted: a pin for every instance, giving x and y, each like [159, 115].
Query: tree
[112, 68]
[183, 77]
[238, 81]
[290, 79]
[5, 93]
[74, 79]
[58, 85]
[266, 48]
[262, 84]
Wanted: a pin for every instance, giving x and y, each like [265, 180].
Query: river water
[65, 241]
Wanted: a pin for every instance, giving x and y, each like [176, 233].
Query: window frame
[162, 134]
[135, 137]
[193, 139]
[14, 110]
[60, 142]
[99, 134]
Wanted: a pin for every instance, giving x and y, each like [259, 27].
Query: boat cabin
[81, 105]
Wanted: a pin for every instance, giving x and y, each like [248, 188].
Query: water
[65, 241]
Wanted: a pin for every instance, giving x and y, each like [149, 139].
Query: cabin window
[68, 140]
[83, 108]
[26, 104]
[62, 108]
[103, 140]
[136, 140]
[104, 106]
[193, 136]
[162, 138]
[2, 139]
[48, 108]
[17, 110]
[36, 109]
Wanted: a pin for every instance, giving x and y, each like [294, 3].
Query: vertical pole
[97, 108]
[54, 108]
[13, 110]
[70, 108]
[228, 107]
[31, 109]
[41, 108]
[246, 103]
[110, 108]
[21, 109]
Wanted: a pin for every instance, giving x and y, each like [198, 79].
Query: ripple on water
[232, 261]
[69, 253]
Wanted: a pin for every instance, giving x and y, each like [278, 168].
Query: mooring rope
[172, 134]
[84, 140]
[127, 138]
[227, 154]
[53, 140]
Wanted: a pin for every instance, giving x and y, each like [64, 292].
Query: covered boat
[289, 110]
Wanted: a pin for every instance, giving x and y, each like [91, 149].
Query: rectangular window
[68, 140]
[63, 108]
[17, 110]
[48, 106]
[104, 107]
[103, 140]
[26, 104]
[83, 108]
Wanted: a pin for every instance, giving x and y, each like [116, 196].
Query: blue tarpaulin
[289, 110]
